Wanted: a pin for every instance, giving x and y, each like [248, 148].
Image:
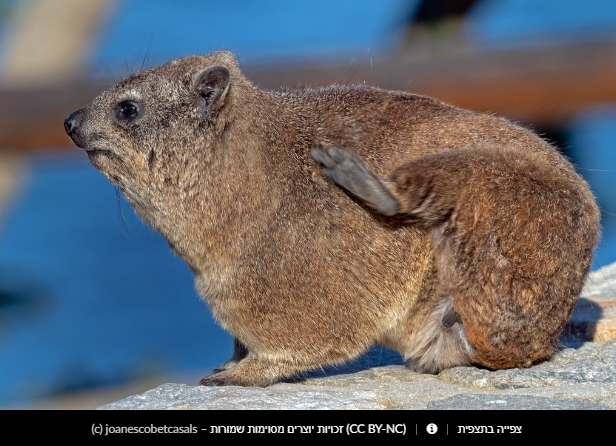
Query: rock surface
[594, 318]
[582, 376]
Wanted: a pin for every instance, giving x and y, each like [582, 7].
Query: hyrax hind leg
[514, 229]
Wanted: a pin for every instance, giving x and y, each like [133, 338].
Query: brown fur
[482, 264]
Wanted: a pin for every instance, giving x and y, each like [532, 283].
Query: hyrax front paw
[226, 378]
[351, 173]
[252, 371]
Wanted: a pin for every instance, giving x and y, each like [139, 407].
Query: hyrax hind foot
[350, 172]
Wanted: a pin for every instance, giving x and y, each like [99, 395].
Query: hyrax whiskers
[450, 236]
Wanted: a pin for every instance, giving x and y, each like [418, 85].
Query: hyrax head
[144, 130]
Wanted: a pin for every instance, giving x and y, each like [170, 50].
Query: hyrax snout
[320, 222]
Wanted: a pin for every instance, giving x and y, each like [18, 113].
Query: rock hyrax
[450, 236]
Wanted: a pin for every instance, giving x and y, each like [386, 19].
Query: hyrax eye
[128, 110]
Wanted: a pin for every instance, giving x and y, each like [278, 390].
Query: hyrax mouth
[95, 151]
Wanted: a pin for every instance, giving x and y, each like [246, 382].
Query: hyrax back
[455, 238]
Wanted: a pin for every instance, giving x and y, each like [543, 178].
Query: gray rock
[594, 318]
[576, 378]
[181, 396]
[601, 284]
[590, 363]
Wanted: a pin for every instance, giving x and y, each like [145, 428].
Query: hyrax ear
[211, 86]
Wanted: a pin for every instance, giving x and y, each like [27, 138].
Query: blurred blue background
[90, 297]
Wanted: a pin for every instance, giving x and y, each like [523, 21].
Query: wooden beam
[544, 86]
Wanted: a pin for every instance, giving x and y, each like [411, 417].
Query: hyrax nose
[71, 123]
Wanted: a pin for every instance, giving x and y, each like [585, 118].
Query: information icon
[432, 428]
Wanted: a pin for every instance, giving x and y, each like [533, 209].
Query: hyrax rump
[450, 236]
